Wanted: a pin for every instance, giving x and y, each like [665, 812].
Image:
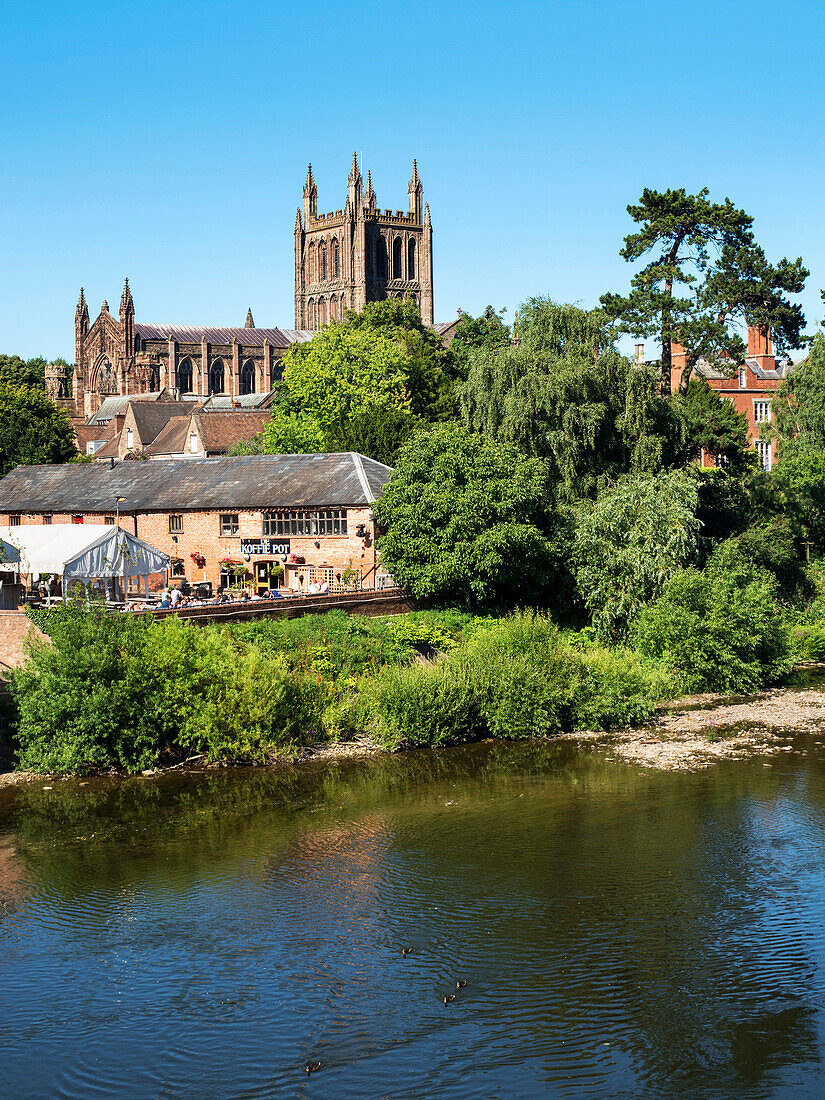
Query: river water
[623, 932]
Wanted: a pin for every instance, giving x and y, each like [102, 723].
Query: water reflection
[622, 932]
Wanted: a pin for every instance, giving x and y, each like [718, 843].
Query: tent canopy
[81, 551]
[9, 555]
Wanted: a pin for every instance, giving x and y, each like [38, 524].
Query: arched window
[106, 377]
[322, 313]
[311, 264]
[411, 260]
[322, 260]
[183, 382]
[311, 313]
[216, 377]
[336, 260]
[381, 258]
[396, 259]
[248, 377]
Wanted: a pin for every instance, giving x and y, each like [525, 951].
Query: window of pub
[330, 522]
[229, 525]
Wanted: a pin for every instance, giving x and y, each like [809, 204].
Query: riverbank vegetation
[545, 484]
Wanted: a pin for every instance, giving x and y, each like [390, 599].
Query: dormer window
[193, 443]
[743, 378]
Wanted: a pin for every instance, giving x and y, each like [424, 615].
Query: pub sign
[264, 547]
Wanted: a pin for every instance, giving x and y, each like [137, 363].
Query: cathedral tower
[361, 254]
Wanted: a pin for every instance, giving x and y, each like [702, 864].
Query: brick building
[361, 254]
[310, 513]
[751, 387]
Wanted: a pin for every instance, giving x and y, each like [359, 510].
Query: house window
[229, 525]
[130, 438]
[109, 521]
[14, 521]
[47, 520]
[193, 443]
[175, 525]
[763, 449]
[743, 379]
[77, 519]
[331, 522]
[761, 411]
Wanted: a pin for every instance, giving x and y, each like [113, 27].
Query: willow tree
[705, 278]
[566, 395]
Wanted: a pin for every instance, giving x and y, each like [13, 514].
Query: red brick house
[751, 387]
[312, 514]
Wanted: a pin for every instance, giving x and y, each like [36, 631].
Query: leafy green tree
[344, 390]
[464, 520]
[15, 371]
[32, 429]
[427, 365]
[720, 629]
[566, 395]
[637, 534]
[488, 330]
[707, 276]
[798, 410]
[713, 425]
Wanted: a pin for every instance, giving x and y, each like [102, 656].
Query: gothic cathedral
[361, 254]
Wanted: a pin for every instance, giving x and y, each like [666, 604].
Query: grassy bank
[133, 694]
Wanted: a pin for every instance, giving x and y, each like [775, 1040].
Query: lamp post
[118, 502]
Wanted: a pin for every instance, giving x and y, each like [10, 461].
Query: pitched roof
[198, 484]
[151, 418]
[116, 403]
[194, 334]
[171, 439]
[243, 401]
[221, 430]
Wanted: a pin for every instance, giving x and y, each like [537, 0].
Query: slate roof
[116, 403]
[244, 400]
[171, 439]
[249, 337]
[151, 418]
[783, 368]
[198, 484]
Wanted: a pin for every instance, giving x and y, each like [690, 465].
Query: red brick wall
[201, 532]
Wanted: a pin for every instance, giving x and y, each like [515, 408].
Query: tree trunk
[686, 375]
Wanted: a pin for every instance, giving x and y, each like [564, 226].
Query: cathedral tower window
[396, 258]
[184, 376]
[336, 260]
[322, 258]
[311, 264]
[381, 258]
[248, 377]
[411, 260]
[216, 377]
[322, 313]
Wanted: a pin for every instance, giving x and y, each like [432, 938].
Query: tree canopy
[32, 429]
[464, 520]
[566, 395]
[706, 277]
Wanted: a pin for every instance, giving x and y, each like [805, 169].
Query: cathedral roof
[249, 337]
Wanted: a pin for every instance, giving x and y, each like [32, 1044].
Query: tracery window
[381, 258]
[322, 253]
[216, 377]
[184, 376]
[411, 260]
[248, 377]
[336, 260]
[396, 258]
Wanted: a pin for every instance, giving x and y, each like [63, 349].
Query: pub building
[223, 520]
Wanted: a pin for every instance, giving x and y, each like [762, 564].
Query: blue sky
[169, 142]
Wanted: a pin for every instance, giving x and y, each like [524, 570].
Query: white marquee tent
[9, 555]
[82, 552]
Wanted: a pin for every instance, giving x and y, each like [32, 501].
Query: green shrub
[718, 630]
[515, 677]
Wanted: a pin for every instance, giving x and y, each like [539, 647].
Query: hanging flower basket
[297, 559]
[198, 558]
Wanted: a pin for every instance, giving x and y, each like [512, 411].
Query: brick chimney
[760, 346]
